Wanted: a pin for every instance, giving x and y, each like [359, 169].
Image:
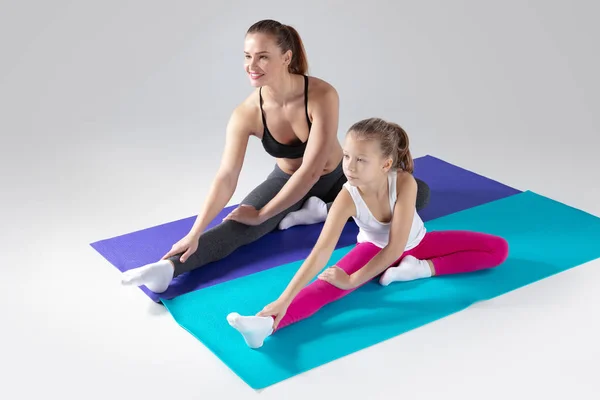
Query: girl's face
[364, 163]
[264, 61]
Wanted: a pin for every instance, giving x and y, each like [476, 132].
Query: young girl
[380, 195]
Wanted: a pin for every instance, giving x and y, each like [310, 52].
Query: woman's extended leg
[448, 252]
[225, 238]
[222, 240]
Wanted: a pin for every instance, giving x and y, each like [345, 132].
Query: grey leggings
[223, 239]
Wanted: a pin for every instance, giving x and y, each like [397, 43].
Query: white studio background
[112, 119]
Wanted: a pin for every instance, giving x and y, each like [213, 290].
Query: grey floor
[113, 115]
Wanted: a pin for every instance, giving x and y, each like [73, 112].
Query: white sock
[313, 210]
[254, 329]
[410, 268]
[156, 276]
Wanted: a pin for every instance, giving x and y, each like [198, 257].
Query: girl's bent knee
[501, 249]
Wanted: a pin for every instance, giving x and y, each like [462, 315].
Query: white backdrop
[112, 120]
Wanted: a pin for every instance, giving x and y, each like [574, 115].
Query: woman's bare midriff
[289, 166]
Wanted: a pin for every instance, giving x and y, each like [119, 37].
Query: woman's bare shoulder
[320, 89]
[247, 112]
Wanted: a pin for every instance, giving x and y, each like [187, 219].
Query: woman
[296, 118]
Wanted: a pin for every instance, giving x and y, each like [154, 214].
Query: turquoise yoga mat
[545, 238]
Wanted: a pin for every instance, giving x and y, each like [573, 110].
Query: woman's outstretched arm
[224, 183]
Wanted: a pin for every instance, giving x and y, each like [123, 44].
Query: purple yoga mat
[453, 189]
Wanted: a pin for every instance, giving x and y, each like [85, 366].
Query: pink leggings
[452, 252]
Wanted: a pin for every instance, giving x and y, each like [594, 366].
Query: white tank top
[376, 232]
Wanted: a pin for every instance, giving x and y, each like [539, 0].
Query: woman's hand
[337, 277]
[187, 245]
[276, 309]
[245, 214]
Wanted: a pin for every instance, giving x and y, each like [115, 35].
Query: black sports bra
[280, 150]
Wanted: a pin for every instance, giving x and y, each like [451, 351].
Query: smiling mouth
[255, 76]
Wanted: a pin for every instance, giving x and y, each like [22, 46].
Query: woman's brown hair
[287, 38]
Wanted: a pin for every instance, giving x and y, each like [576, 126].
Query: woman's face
[264, 61]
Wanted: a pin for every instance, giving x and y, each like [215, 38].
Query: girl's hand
[276, 309]
[337, 277]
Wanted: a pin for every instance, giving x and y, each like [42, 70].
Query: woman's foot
[409, 269]
[314, 210]
[254, 329]
[156, 276]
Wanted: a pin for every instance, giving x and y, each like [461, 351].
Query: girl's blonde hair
[391, 137]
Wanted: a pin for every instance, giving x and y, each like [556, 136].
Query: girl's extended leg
[448, 252]
[309, 300]
[320, 293]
